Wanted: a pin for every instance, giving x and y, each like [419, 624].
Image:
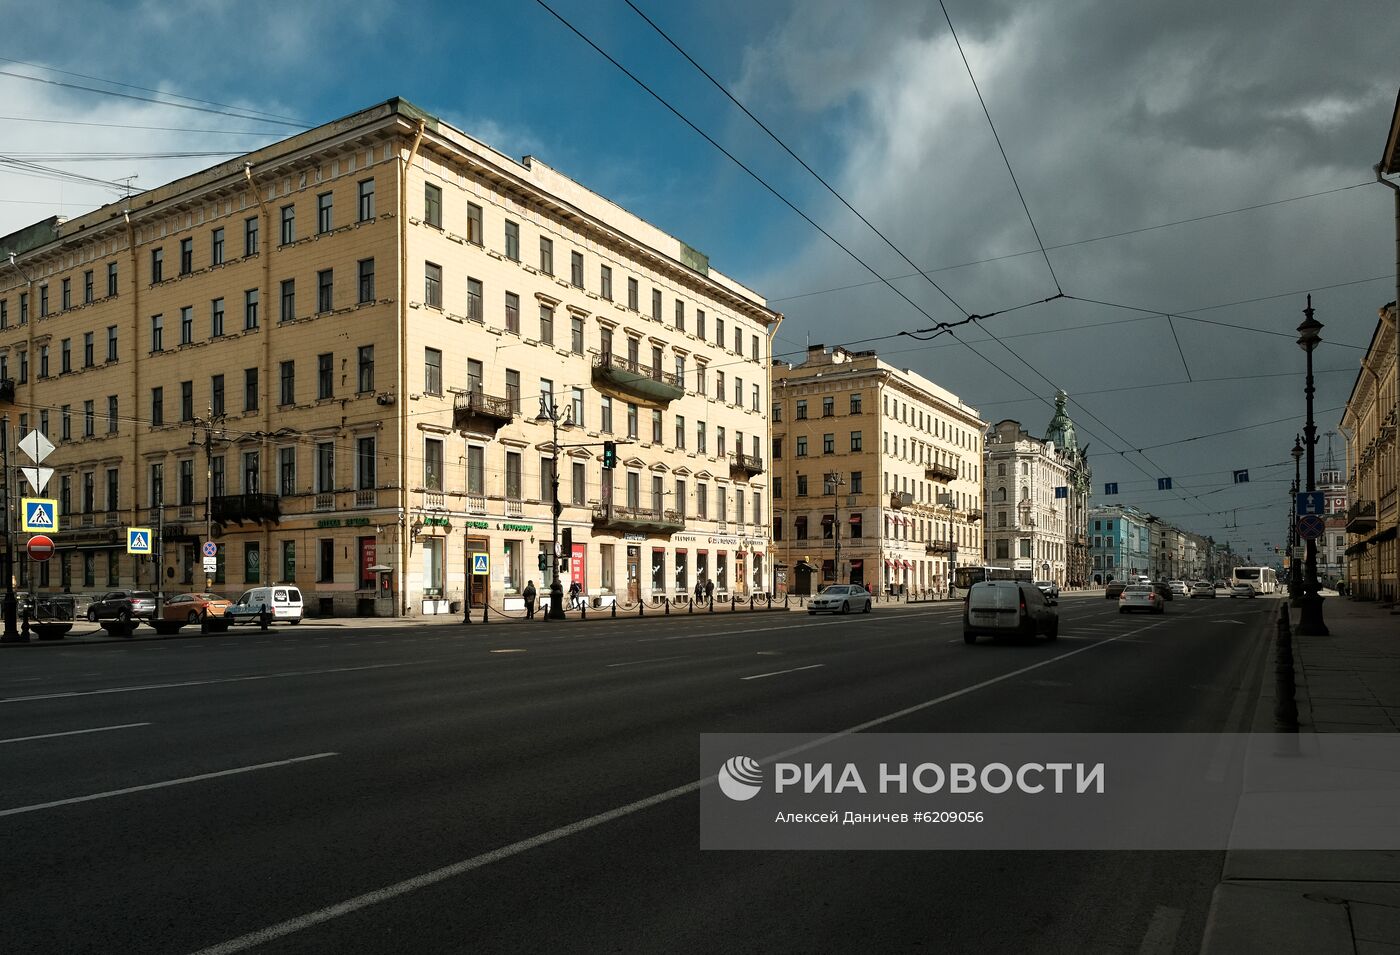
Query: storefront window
[702, 566]
[252, 562]
[722, 571]
[681, 585]
[289, 561]
[513, 567]
[605, 566]
[658, 571]
[434, 568]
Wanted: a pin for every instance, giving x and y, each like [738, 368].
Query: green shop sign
[524, 528]
[347, 522]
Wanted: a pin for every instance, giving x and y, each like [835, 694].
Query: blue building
[1119, 543]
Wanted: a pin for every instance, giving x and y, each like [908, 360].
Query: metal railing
[612, 360]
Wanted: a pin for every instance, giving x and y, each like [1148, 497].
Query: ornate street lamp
[1310, 621]
[1295, 566]
[551, 415]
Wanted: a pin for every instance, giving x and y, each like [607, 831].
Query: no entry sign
[40, 547]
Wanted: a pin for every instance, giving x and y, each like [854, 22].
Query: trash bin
[455, 606]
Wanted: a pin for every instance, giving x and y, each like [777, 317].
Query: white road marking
[1162, 930]
[760, 676]
[233, 679]
[407, 886]
[513, 650]
[96, 729]
[161, 785]
[632, 663]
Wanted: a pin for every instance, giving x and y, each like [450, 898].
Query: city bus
[965, 577]
[1263, 579]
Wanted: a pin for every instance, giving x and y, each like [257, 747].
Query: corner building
[876, 475]
[331, 355]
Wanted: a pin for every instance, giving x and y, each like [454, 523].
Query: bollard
[750, 601]
[668, 608]
[712, 603]
[770, 601]
[785, 600]
[641, 606]
[583, 610]
[614, 608]
[1285, 683]
[484, 607]
[691, 600]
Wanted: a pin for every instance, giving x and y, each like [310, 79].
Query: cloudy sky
[1206, 160]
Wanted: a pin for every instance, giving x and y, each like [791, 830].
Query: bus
[965, 577]
[1263, 579]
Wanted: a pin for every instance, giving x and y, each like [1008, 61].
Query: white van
[284, 602]
[1006, 608]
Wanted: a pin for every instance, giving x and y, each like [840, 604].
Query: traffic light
[609, 454]
[567, 547]
[544, 561]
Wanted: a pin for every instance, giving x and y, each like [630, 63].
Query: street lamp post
[550, 412]
[1295, 567]
[835, 481]
[1310, 622]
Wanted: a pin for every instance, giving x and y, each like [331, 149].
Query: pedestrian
[709, 590]
[699, 591]
[574, 590]
[530, 600]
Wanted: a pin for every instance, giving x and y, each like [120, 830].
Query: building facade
[1029, 525]
[1120, 543]
[1372, 463]
[1079, 483]
[876, 475]
[342, 358]
[1332, 546]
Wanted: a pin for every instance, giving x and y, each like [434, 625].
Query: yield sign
[36, 446]
[38, 478]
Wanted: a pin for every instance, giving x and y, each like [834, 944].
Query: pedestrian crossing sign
[138, 540]
[481, 565]
[40, 515]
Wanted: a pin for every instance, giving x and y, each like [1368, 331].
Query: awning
[858, 564]
[855, 518]
[905, 564]
[888, 562]
[1385, 535]
[828, 519]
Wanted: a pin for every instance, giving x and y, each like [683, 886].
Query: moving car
[1114, 588]
[1006, 608]
[1050, 590]
[1178, 588]
[1162, 589]
[1141, 597]
[283, 602]
[841, 598]
[1241, 589]
[189, 608]
[123, 605]
[1202, 588]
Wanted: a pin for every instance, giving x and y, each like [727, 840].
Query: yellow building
[330, 355]
[877, 475]
[1369, 427]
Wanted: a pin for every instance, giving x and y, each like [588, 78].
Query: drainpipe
[136, 460]
[265, 385]
[405, 539]
[1395, 329]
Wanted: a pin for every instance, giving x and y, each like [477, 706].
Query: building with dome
[1079, 480]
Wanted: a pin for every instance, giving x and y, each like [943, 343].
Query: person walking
[699, 591]
[709, 590]
[530, 600]
[574, 590]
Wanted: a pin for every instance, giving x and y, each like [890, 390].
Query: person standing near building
[529, 595]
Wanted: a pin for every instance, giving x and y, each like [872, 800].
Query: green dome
[1061, 429]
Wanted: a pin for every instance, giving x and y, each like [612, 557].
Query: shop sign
[347, 522]
[634, 537]
[478, 525]
[522, 528]
[725, 541]
[438, 522]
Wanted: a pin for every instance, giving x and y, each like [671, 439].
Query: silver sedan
[841, 598]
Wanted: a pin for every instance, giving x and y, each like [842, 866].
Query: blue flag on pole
[1061, 492]
[1110, 488]
[1164, 484]
[1241, 477]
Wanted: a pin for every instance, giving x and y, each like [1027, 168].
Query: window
[680, 371]
[24, 308]
[365, 205]
[365, 463]
[325, 290]
[801, 445]
[699, 324]
[578, 485]
[576, 269]
[719, 331]
[576, 407]
[576, 333]
[754, 398]
[754, 349]
[546, 396]
[632, 293]
[546, 255]
[432, 371]
[186, 487]
[432, 205]
[186, 325]
[66, 301]
[476, 469]
[855, 404]
[88, 359]
[719, 385]
[700, 445]
[325, 570]
[475, 234]
[186, 256]
[186, 401]
[365, 284]
[43, 361]
[656, 426]
[802, 485]
[432, 285]
[546, 479]
[828, 407]
[719, 441]
[680, 432]
[157, 342]
[111, 414]
[66, 423]
[325, 467]
[112, 278]
[546, 325]
[250, 389]
[631, 420]
[87, 287]
[288, 390]
[857, 483]
[828, 444]
[289, 225]
[323, 213]
[23, 375]
[216, 394]
[289, 300]
[513, 475]
[605, 282]
[856, 442]
[324, 376]
[702, 500]
[365, 361]
[250, 242]
[250, 309]
[605, 423]
[157, 265]
[777, 449]
[513, 241]
[777, 486]
[474, 375]
[513, 389]
[474, 305]
[801, 409]
[216, 318]
[656, 304]
[680, 315]
[738, 341]
[513, 313]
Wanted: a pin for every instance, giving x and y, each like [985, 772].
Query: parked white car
[841, 598]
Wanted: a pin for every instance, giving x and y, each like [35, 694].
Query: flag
[1061, 492]
[1241, 477]
[1110, 488]
[1164, 484]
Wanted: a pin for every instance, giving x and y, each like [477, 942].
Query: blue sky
[1116, 117]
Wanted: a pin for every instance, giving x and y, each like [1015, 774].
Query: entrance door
[634, 583]
[741, 579]
[480, 586]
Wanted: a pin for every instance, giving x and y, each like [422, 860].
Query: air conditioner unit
[385, 399]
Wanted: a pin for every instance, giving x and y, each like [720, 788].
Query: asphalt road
[513, 789]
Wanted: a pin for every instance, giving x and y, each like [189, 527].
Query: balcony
[972, 517]
[366, 497]
[515, 508]
[325, 501]
[938, 547]
[941, 472]
[254, 508]
[477, 413]
[434, 501]
[749, 464]
[1361, 517]
[635, 380]
[476, 504]
[636, 519]
[901, 499]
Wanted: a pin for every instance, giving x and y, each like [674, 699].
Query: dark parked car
[123, 604]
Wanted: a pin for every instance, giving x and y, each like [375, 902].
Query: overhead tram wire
[734, 159]
[163, 129]
[1002, 149]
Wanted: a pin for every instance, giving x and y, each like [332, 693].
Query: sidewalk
[1318, 901]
